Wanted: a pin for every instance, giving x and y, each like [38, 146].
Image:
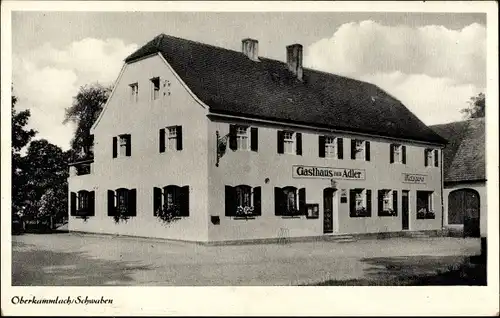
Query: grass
[471, 272]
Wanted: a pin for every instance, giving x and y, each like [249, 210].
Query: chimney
[250, 47]
[294, 59]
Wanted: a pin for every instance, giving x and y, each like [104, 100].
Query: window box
[171, 203]
[242, 201]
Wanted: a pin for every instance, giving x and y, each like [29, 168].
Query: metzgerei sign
[414, 178]
[327, 173]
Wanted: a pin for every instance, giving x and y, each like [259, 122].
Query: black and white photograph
[285, 148]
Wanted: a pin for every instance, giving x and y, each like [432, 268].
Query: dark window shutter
[367, 150]
[298, 141]
[281, 141]
[278, 201]
[352, 202]
[254, 139]
[132, 202]
[232, 137]
[425, 157]
[162, 140]
[128, 151]
[353, 148]
[179, 137]
[340, 148]
[230, 197]
[369, 202]
[395, 201]
[111, 203]
[436, 158]
[157, 195]
[91, 204]
[380, 201]
[404, 154]
[321, 146]
[302, 201]
[115, 147]
[257, 204]
[391, 153]
[185, 201]
[73, 204]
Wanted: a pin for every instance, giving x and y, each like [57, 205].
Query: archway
[463, 208]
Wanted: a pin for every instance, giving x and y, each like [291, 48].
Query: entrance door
[463, 208]
[405, 210]
[328, 206]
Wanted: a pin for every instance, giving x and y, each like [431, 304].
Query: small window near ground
[425, 205]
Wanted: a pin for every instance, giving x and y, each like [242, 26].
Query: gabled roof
[464, 156]
[230, 83]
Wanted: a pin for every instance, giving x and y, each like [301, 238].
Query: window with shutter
[128, 146]
[257, 201]
[340, 148]
[391, 153]
[91, 209]
[279, 201]
[230, 201]
[321, 146]
[436, 158]
[359, 203]
[233, 145]
[281, 142]
[298, 143]
[162, 140]
[157, 200]
[179, 137]
[404, 154]
[290, 201]
[330, 147]
[72, 203]
[184, 200]
[115, 147]
[254, 139]
[111, 203]
[367, 150]
[302, 201]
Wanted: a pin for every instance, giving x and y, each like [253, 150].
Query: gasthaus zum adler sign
[327, 173]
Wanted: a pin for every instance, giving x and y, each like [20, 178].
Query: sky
[432, 62]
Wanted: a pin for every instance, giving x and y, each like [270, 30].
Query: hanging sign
[311, 172]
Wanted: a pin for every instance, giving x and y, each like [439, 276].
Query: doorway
[405, 209]
[330, 207]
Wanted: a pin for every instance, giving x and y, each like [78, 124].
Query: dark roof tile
[229, 82]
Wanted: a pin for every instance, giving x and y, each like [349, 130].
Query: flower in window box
[292, 212]
[430, 215]
[389, 212]
[168, 213]
[244, 210]
[361, 211]
[421, 213]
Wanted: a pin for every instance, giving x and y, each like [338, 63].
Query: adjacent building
[464, 166]
[201, 143]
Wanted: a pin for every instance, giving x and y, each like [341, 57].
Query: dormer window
[155, 88]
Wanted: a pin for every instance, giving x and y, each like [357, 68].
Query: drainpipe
[442, 190]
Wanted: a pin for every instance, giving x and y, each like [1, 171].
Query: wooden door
[463, 208]
[328, 210]
[405, 209]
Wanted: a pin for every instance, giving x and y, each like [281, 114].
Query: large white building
[240, 147]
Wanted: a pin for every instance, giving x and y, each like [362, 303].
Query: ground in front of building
[87, 260]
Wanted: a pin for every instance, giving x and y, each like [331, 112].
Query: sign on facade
[414, 178]
[327, 173]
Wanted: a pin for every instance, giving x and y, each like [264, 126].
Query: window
[243, 138]
[387, 203]
[331, 147]
[431, 157]
[171, 138]
[290, 201]
[123, 201]
[398, 153]
[155, 88]
[243, 201]
[171, 199]
[122, 146]
[82, 203]
[360, 203]
[134, 92]
[360, 149]
[289, 142]
[424, 205]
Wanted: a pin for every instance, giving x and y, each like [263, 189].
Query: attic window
[155, 88]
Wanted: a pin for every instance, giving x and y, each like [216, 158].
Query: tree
[20, 138]
[46, 185]
[87, 106]
[476, 107]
